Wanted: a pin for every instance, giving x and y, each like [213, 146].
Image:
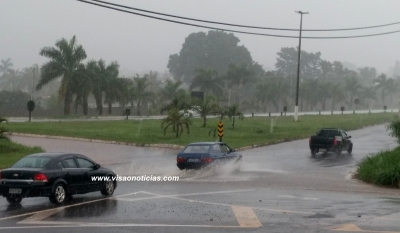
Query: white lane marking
[78, 204]
[42, 215]
[222, 204]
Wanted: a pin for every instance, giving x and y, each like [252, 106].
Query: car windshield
[32, 162]
[196, 149]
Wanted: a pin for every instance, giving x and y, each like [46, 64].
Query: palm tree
[261, 93]
[82, 82]
[140, 92]
[384, 84]
[65, 59]
[352, 87]
[112, 87]
[392, 89]
[232, 112]
[170, 90]
[5, 66]
[12, 82]
[181, 101]
[368, 93]
[207, 80]
[207, 107]
[177, 121]
[236, 77]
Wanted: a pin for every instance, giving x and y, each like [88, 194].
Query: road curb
[165, 146]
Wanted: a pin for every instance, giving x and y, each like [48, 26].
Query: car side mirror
[232, 150]
[349, 136]
[96, 167]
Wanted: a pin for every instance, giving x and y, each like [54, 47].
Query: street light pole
[296, 107]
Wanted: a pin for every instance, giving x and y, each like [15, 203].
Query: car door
[227, 151]
[72, 175]
[88, 171]
[217, 153]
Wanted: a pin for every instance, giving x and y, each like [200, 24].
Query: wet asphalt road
[278, 188]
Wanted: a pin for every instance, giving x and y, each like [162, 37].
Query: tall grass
[381, 169]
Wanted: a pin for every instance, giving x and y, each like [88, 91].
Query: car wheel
[59, 194]
[350, 149]
[313, 152]
[14, 199]
[108, 188]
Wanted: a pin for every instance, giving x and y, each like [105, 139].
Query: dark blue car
[200, 154]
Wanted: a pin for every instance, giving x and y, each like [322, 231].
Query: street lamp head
[300, 12]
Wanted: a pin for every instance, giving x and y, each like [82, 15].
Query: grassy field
[381, 169]
[11, 152]
[247, 132]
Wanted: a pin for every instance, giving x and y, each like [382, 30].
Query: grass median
[248, 132]
[10, 152]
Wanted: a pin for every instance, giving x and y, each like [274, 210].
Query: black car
[55, 175]
[330, 139]
[200, 154]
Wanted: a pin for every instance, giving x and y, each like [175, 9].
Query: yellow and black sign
[220, 129]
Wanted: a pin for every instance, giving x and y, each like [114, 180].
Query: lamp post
[296, 107]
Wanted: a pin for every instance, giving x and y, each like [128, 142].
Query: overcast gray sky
[141, 44]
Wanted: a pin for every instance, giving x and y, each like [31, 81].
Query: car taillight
[334, 141]
[1, 176]
[39, 177]
[309, 140]
[206, 160]
[180, 160]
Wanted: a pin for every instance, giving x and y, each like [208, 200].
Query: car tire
[14, 199]
[350, 149]
[59, 195]
[314, 152]
[108, 188]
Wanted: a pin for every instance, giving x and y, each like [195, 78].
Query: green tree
[83, 85]
[383, 83]
[171, 89]
[367, 73]
[233, 112]
[352, 87]
[207, 80]
[236, 77]
[287, 63]
[338, 95]
[3, 130]
[214, 50]
[367, 94]
[181, 101]
[65, 59]
[140, 92]
[206, 107]
[177, 121]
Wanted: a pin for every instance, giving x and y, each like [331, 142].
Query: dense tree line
[213, 63]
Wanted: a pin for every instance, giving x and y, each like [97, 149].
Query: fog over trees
[213, 63]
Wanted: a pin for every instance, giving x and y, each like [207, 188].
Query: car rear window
[197, 149]
[32, 162]
[328, 133]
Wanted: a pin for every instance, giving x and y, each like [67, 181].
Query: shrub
[382, 168]
[3, 130]
[394, 128]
